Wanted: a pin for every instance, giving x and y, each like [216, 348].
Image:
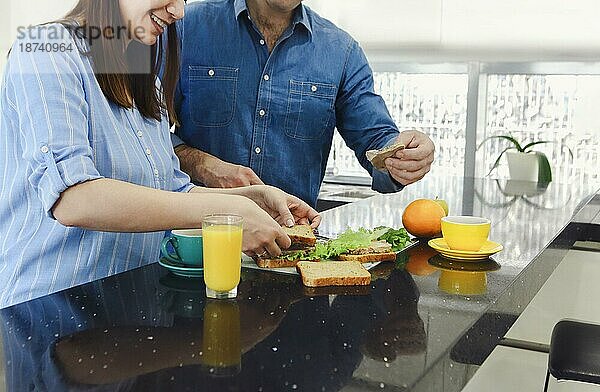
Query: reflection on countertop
[148, 330]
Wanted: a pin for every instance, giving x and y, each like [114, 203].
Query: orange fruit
[423, 218]
[418, 260]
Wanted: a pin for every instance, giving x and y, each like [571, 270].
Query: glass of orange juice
[221, 343]
[222, 248]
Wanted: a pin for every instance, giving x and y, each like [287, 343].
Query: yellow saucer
[488, 249]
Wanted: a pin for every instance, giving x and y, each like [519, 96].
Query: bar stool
[574, 352]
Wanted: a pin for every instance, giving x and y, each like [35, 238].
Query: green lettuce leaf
[350, 239]
[298, 255]
[397, 238]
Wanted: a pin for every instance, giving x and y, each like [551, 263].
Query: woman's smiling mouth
[161, 24]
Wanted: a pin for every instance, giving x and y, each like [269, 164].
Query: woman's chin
[148, 40]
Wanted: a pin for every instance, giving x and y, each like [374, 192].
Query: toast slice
[377, 251]
[333, 273]
[302, 248]
[378, 157]
[279, 263]
[369, 257]
[301, 234]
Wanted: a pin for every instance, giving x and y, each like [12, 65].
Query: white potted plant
[524, 164]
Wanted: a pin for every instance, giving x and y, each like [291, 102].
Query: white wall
[15, 13]
[401, 22]
[26, 12]
[422, 30]
[497, 30]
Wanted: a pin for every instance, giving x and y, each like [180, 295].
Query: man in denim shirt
[263, 85]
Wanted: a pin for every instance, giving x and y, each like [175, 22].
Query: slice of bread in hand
[378, 157]
[369, 257]
[333, 273]
[301, 234]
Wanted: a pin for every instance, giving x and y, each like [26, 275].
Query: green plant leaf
[509, 138]
[544, 169]
[495, 165]
[528, 146]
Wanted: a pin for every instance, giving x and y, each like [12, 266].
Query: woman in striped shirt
[89, 178]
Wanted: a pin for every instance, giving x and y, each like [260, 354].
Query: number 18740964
[37, 47]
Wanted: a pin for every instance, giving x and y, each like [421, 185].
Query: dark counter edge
[450, 373]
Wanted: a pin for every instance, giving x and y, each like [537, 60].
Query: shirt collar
[239, 6]
[300, 16]
[303, 18]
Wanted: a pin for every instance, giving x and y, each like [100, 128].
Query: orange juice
[222, 257]
[221, 339]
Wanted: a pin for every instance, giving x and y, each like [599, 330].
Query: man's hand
[227, 175]
[213, 172]
[414, 162]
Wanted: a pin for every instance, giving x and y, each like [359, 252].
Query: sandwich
[374, 252]
[333, 273]
[302, 249]
[365, 246]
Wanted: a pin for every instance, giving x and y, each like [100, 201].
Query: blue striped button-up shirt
[57, 129]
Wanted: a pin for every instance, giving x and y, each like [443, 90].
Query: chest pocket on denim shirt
[310, 109]
[213, 93]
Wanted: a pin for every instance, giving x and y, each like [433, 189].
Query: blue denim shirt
[276, 113]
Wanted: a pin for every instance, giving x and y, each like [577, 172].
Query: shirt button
[266, 77]
[257, 150]
[262, 41]
[148, 152]
[313, 89]
[156, 172]
[140, 133]
[211, 72]
[262, 112]
[44, 149]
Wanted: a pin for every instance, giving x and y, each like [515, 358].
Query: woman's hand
[261, 232]
[265, 209]
[286, 209]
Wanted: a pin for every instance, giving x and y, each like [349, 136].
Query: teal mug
[187, 245]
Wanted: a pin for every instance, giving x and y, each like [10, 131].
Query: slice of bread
[369, 257]
[301, 234]
[333, 273]
[378, 157]
[279, 263]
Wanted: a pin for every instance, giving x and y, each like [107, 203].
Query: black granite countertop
[421, 327]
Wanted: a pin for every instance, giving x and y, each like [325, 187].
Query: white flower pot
[524, 188]
[522, 167]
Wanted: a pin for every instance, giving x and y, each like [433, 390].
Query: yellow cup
[465, 232]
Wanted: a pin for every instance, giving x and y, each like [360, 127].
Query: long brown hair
[114, 62]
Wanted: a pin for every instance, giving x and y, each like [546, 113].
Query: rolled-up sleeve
[181, 181]
[52, 114]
